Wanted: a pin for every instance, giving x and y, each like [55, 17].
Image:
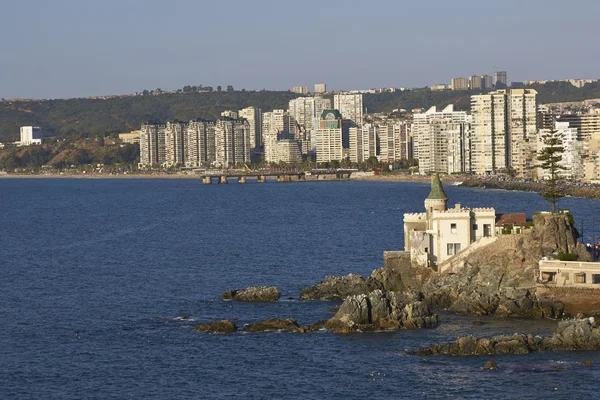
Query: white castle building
[439, 233]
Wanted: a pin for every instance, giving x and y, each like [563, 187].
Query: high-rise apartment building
[475, 82]
[276, 125]
[500, 80]
[152, 145]
[441, 140]
[574, 151]
[300, 89]
[460, 84]
[320, 88]
[350, 106]
[504, 132]
[403, 140]
[232, 142]
[254, 117]
[306, 111]
[587, 125]
[329, 137]
[287, 151]
[31, 135]
[174, 144]
[486, 82]
[200, 143]
[363, 143]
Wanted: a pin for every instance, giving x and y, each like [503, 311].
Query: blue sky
[68, 48]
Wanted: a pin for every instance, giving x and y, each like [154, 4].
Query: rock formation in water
[222, 326]
[583, 334]
[382, 310]
[253, 294]
[497, 279]
[275, 324]
[339, 287]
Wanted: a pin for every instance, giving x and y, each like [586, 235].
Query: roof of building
[336, 113]
[511, 219]
[437, 190]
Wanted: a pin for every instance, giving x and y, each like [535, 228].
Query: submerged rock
[222, 326]
[581, 334]
[275, 324]
[253, 294]
[381, 310]
[339, 287]
[491, 364]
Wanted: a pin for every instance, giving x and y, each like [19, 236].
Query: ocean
[96, 272]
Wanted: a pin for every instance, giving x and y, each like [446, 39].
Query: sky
[79, 48]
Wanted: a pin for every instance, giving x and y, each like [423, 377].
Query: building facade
[232, 142]
[152, 145]
[31, 135]
[460, 84]
[329, 137]
[254, 117]
[350, 105]
[320, 88]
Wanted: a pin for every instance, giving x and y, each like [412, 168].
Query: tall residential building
[504, 132]
[403, 140]
[300, 89]
[287, 151]
[31, 135]
[320, 88]
[573, 152]
[329, 137]
[486, 82]
[152, 145]
[350, 105]
[174, 144]
[386, 140]
[232, 142]
[587, 125]
[254, 117]
[500, 80]
[200, 144]
[442, 140]
[475, 82]
[363, 143]
[276, 125]
[460, 84]
[306, 111]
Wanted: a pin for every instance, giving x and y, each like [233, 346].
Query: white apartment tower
[254, 117]
[504, 132]
[307, 110]
[329, 137]
[152, 145]
[31, 135]
[441, 140]
[350, 105]
[232, 142]
[174, 144]
[200, 144]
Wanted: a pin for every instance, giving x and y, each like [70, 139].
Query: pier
[242, 177]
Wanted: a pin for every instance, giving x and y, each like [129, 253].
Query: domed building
[439, 233]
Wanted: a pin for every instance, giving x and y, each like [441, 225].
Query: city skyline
[79, 50]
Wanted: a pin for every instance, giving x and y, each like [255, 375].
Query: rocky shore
[253, 294]
[583, 334]
[564, 188]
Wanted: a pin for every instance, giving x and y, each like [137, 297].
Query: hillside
[122, 114]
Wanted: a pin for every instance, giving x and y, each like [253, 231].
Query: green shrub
[567, 257]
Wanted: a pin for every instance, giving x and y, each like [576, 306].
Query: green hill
[122, 114]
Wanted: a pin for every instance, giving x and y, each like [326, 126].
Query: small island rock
[253, 294]
[339, 287]
[275, 324]
[223, 326]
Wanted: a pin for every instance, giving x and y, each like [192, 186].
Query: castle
[439, 233]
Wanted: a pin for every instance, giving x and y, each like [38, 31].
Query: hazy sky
[73, 48]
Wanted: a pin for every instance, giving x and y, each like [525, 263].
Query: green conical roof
[437, 190]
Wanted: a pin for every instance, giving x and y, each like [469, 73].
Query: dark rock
[381, 310]
[253, 294]
[288, 325]
[399, 274]
[339, 287]
[223, 326]
[571, 335]
[315, 327]
[586, 363]
[478, 323]
[491, 364]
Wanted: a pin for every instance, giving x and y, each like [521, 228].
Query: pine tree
[550, 157]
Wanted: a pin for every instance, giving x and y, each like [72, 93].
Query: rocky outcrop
[275, 324]
[499, 279]
[382, 310]
[399, 274]
[253, 294]
[223, 326]
[339, 287]
[583, 334]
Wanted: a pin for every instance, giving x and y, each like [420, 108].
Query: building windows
[487, 230]
[452, 248]
[453, 228]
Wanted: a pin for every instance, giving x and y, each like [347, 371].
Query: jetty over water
[261, 176]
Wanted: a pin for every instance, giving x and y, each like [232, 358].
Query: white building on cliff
[439, 233]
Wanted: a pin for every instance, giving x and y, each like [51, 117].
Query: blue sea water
[94, 274]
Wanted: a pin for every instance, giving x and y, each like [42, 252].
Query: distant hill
[122, 114]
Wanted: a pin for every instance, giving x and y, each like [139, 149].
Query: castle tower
[437, 199]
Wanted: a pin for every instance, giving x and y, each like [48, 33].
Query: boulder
[381, 310]
[222, 326]
[253, 294]
[490, 364]
[339, 287]
[275, 324]
[581, 334]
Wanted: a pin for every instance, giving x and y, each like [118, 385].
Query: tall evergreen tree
[550, 157]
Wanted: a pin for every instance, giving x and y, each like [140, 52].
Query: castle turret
[437, 199]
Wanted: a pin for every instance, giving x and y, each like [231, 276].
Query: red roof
[511, 219]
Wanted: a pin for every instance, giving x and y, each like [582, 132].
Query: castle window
[453, 228]
[452, 248]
